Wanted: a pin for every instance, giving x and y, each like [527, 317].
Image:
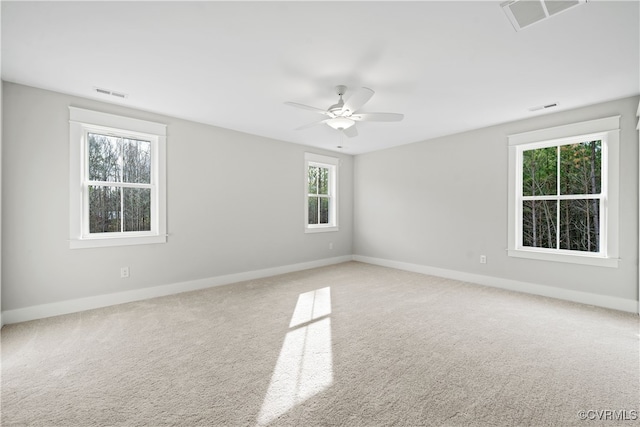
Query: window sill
[102, 242]
[596, 261]
[320, 229]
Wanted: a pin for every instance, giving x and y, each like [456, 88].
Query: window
[321, 209]
[562, 197]
[117, 180]
[564, 193]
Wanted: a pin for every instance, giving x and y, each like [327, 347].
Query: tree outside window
[564, 193]
[119, 184]
[117, 177]
[321, 175]
[319, 198]
[561, 196]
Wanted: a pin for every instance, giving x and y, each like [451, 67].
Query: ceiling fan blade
[306, 107]
[377, 117]
[358, 99]
[351, 131]
[312, 124]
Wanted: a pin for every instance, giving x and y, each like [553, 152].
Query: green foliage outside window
[571, 223]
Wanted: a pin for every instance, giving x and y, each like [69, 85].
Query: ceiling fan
[343, 117]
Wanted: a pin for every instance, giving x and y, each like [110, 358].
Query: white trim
[566, 131]
[605, 301]
[332, 163]
[319, 158]
[606, 129]
[82, 304]
[106, 241]
[82, 121]
[97, 118]
[320, 228]
[89, 303]
[566, 256]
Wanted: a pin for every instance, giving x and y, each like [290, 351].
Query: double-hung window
[563, 197]
[117, 180]
[321, 201]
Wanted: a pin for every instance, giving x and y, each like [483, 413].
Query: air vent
[522, 13]
[110, 93]
[543, 107]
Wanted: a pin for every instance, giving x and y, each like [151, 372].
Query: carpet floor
[345, 345]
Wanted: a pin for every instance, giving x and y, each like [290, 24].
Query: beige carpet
[346, 345]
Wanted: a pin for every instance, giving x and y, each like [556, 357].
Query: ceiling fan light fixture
[341, 116]
[340, 123]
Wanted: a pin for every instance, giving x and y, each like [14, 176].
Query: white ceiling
[449, 66]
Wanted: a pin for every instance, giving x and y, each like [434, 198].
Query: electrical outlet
[124, 272]
[483, 259]
[330, 245]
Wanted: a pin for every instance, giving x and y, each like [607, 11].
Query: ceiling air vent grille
[522, 13]
[111, 93]
[543, 107]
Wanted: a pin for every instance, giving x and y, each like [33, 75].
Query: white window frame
[82, 122]
[331, 163]
[608, 131]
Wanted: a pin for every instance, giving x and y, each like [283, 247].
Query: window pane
[580, 225]
[137, 209]
[104, 155]
[104, 209]
[313, 180]
[539, 172]
[324, 210]
[136, 161]
[580, 168]
[313, 210]
[539, 223]
[323, 181]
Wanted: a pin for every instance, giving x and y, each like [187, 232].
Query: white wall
[235, 204]
[442, 203]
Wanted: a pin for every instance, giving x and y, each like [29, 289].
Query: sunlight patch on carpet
[311, 305]
[305, 364]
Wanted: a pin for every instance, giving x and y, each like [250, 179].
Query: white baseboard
[82, 304]
[615, 303]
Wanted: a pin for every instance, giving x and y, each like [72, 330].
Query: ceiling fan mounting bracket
[341, 89]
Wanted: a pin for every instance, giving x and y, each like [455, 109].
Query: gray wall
[1, 102]
[442, 203]
[235, 204]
